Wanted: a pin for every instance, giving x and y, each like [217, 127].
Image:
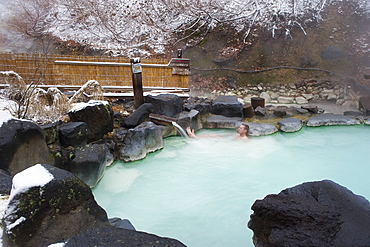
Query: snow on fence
[42, 68]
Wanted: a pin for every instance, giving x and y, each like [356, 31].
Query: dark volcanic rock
[137, 142]
[98, 115]
[5, 182]
[260, 111]
[73, 134]
[118, 237]
[52, 206]
[89, 162]
[137, 117]
[166, 104]
[121, 223]
[51, 132]
[17, 146]
[228, 106]
[312, 214]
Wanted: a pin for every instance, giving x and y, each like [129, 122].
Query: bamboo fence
[36, 67]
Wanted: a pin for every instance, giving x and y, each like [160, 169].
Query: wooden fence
[34, 67]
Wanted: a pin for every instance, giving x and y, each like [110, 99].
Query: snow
[34, 176]
[5, 116]
[57, 245]
[80, 106]
[9, 227]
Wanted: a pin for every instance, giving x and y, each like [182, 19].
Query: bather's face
[241, 129]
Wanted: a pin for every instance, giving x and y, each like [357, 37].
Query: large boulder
[312, 214]
[140, 115]
[98, 115]
[228, 106]
[49, 205]
[89, 162]
[167, 105]
[137, 142]
[17, 146]
[118, 237]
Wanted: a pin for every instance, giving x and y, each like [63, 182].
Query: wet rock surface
[312, 214]
[89, 162]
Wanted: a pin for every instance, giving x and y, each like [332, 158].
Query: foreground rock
[17, 146]
[115, 237]
[312, 214]
[49, 205]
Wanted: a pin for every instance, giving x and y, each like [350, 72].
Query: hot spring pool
[200, 191]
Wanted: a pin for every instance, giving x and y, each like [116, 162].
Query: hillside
[228, 42]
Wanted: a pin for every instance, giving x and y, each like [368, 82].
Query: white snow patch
[57, 245]
[33, 176]
[5, 116]
[80, 106]
[4, 199]
[9, 227]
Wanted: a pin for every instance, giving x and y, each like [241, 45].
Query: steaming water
[200, 191]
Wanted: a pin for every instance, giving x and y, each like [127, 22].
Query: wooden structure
[44, 68]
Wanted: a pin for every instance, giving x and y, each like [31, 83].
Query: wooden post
[257, 101]
[248, 111]
[137, 82]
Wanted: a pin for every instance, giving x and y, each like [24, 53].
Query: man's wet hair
[246, 127]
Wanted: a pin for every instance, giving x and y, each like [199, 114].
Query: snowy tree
[154, 24]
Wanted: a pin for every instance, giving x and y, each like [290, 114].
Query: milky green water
[200, 191]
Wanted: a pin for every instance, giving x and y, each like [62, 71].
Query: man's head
[243, 129]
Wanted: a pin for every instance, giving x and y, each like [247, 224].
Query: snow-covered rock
[98, 115]
[48, 205]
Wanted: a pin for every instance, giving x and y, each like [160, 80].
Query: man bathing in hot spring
[242, 131]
